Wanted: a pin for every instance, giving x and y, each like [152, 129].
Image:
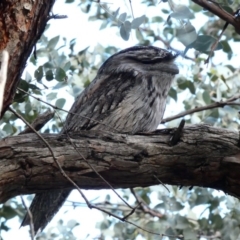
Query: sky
[88, 34]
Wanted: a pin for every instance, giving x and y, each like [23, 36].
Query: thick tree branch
[221, 13]
[205, 156]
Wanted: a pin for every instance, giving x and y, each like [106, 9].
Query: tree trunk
[205, 156]
[21, 25]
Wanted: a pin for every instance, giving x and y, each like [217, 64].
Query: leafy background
[65, 65]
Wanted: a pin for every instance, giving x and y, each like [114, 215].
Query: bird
[128, 95]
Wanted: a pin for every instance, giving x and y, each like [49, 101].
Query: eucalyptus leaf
[203, 43]
[138, 21]
[122, 18]
[60, 102]
[60, 74]
[182, 12]
[186, 34]
[114, 15]
[53, 42]
[125, 30]
[38, 74]
[49, 75]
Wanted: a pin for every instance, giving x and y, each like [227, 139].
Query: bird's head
[141, 59]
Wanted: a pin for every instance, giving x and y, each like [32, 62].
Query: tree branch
[221, 13]
[228, 102]
[205, 156]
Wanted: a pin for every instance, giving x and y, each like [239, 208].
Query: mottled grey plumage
[128, 95]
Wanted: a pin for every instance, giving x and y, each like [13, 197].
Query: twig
[130, 2]
[39, 122]
[32, 233]
[3, 76]
[228, 102]
[216, 43]
[145, 208]
[123, 220]
[161, 182]
[57, 16]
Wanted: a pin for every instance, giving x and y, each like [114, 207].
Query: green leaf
[67, 66]
[201, 199]
[227, 48]
[191, 87]
[173, 94]
[8, 212]
[113, 17]
[51, 96]
[72, 223]
[103, 25]
[24, 85]
[157, 19]
[122, 18]
[60, 74]
[38, 74]
[48, 65]
[203, 43]
[206, 97]
[28, 108]
[182, 12]
[186, 84]
[176, 206]
[137, 22]
[60, 102]
[186, 34]
[8, 128]
[139, 35]
[53, 42]
[190, 234]
[170, 232]
[125, 30]
[59, 85]
[181, 222]
[20, 97]
[49, 75]
[32, 86]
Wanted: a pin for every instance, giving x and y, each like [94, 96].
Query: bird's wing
[98, 100]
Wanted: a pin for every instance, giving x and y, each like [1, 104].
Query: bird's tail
[44, 206]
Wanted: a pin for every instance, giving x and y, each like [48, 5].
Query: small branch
[130, 2]
[228, 102]
[124, 220]
[216, 43]
[57, 16]
[32, 233]
[161, 183]
[145, 208]
[39, 122]
[3, 76]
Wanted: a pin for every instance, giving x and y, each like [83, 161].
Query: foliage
[189, 213]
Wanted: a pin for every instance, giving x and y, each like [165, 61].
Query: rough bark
[205, 156]
[21, 25]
